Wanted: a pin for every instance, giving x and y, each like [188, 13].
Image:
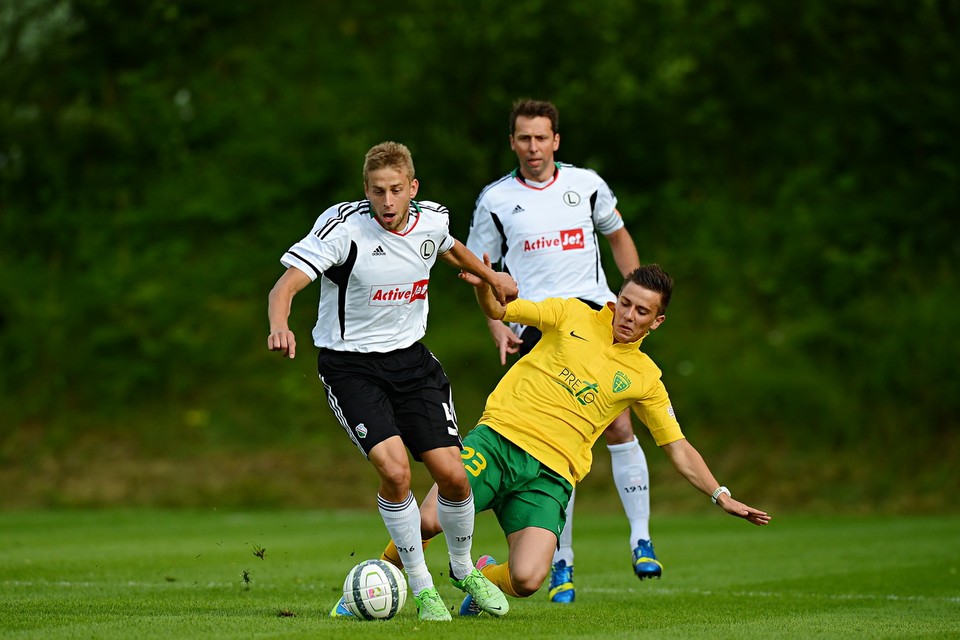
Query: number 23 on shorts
[473, 461]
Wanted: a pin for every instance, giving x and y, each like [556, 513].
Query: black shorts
[405, 393]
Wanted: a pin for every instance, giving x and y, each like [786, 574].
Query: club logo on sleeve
[565, 240]
[390, 295]
[620, 382]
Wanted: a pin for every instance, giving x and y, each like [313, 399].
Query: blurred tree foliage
[793, 165]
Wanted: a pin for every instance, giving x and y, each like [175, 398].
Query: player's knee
[395, 479]
[453, 488]
[452, 483]
[526, 581]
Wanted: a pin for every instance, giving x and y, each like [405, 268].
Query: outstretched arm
[502, 284]
[688, 461]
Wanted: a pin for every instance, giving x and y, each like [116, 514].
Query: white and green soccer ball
[374, 590]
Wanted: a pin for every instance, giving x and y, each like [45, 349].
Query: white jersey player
[373, 297]
[542, 221]
[373, 259]
[546, 233]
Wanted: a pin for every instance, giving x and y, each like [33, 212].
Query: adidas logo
[379, 251]
[517, 209]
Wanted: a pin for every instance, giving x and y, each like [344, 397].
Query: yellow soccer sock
[392, 555]
[499, 574]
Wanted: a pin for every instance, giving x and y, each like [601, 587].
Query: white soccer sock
[456, 520]
[565, 549]
[402, 520]
[631, 477]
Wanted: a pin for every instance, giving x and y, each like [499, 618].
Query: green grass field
[193, 574]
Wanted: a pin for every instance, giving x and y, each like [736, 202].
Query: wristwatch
[716, 494]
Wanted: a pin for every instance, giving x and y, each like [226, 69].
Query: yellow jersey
[556, 401]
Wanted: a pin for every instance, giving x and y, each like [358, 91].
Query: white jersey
[373, 293]
[546, 234]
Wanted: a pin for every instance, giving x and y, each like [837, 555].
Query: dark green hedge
[793, 165]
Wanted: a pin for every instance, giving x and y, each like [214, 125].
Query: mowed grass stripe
[187, 574]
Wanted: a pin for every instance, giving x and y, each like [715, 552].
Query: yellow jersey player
[534, 440]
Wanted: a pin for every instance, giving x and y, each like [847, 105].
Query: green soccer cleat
[469, 606]
[645, 563]
[561, 583]
[483, 594]
[430, 606]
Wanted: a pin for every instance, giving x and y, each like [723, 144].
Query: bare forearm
[490, 306]
[690, 464]
[279, 303]
[502, 285]
[624, 251]
[459, 257]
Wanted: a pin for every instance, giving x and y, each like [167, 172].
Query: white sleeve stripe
[342, 214]
[439, 208]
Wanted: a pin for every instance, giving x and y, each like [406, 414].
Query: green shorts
[515, 485]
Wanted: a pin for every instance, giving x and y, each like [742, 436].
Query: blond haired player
[372, 259]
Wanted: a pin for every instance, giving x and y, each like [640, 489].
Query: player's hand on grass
[283, 341]
[745, 511]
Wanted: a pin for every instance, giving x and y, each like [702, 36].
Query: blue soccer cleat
[561, 583]
[340, 610]
[645, 563]
[469, 606]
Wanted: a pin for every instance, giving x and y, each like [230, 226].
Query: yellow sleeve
[656, 413]
[535, 314]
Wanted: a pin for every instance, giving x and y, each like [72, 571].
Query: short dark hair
[535, 109]
[653, 278]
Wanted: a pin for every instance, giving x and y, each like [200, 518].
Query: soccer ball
[374, 590]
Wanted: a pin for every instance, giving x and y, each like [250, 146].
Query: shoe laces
[560, 573]
[476, 584]
[430, 600]
[644, 549]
